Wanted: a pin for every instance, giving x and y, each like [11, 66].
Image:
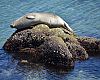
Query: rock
[46, 45]
[24, 61]
[30, 54]
[78, 52]
[18, 40]
[56, 52]
[66, 37]
[91, 45]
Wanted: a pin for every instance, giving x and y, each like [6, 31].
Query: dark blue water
[82, 15]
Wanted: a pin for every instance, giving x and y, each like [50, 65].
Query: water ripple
[82, 15]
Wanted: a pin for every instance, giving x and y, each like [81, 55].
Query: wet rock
[22, 39]
[30, 54]
[56, 52]
[46, 45]
[91, 45]
[78, 52]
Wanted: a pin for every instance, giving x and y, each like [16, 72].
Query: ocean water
[83, 16]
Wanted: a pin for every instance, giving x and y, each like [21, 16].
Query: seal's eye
[30, 17]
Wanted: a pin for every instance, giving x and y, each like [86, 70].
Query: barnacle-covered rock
[46, 45]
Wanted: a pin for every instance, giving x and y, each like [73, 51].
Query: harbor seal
[32, 19]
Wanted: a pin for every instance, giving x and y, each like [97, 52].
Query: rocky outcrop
[55, 46]
[91, 45]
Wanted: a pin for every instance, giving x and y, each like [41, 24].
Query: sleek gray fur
[32, 19]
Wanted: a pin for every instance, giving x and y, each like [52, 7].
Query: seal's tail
[66, 26]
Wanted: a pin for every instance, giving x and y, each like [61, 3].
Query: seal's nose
[12, 25]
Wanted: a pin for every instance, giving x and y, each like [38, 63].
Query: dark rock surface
[50, 46]
[91, 45]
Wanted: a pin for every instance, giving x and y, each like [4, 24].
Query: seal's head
[25, 21]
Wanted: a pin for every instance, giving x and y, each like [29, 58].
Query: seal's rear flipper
[66, 26]
[66, 31]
